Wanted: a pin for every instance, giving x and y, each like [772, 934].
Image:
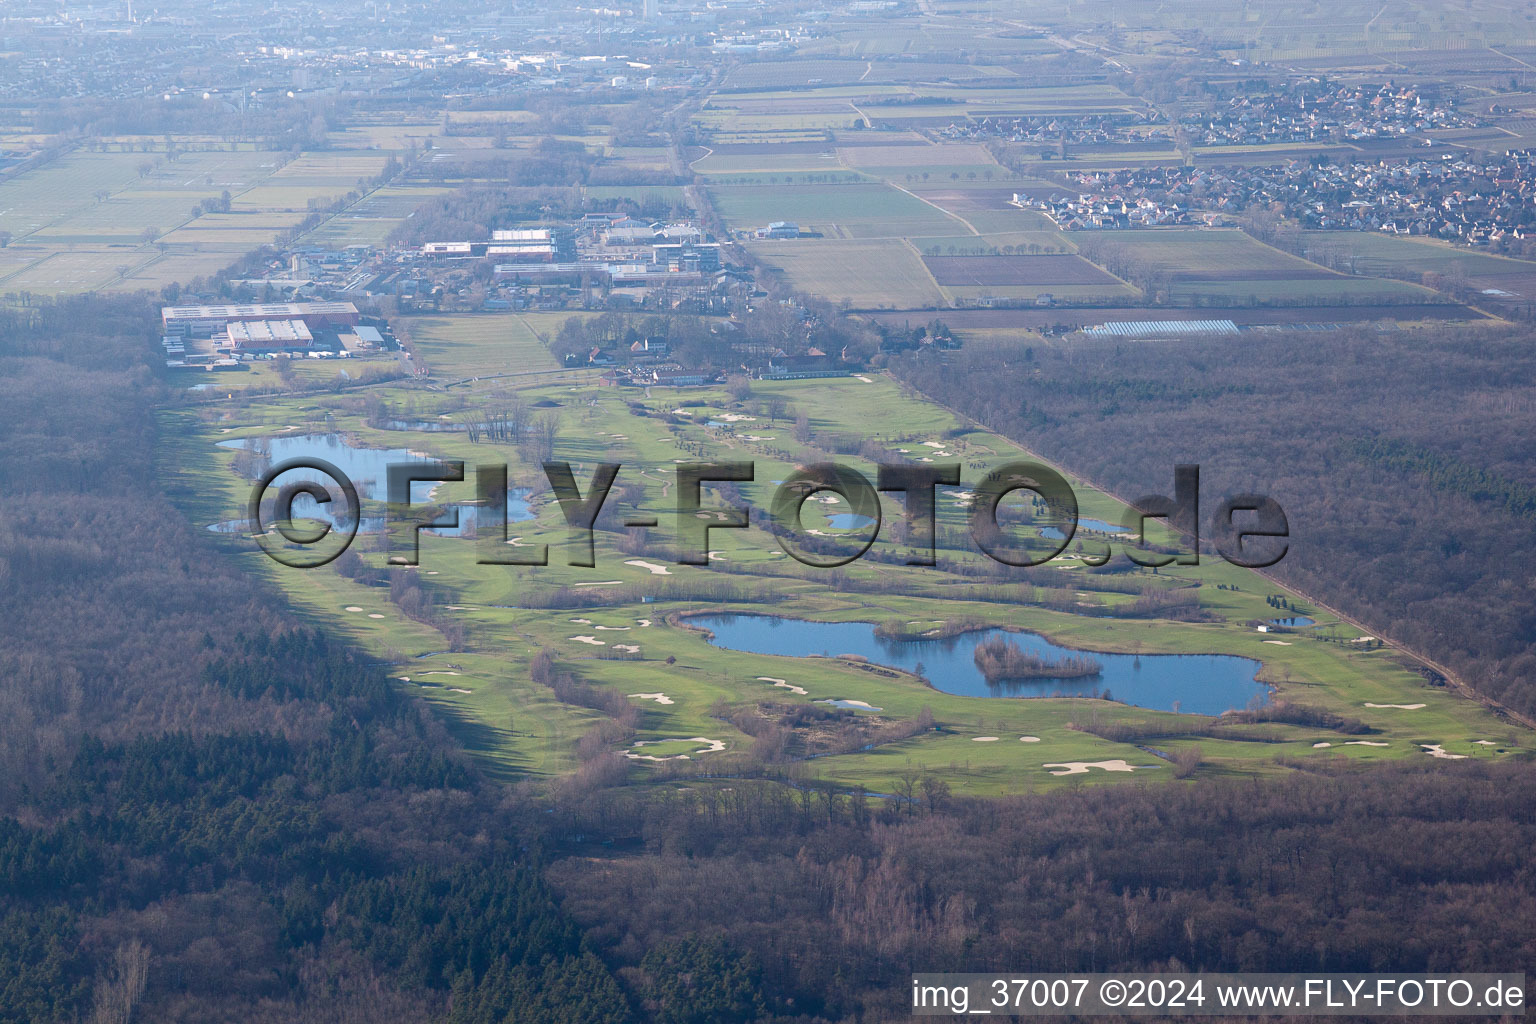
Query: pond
[367, 468]
[1088, 525]
[1205, 684]
[1294, 621]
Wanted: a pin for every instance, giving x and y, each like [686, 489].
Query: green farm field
[621, 625]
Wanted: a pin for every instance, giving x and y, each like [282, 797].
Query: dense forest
[1409, 868]
[208, 812]
[211, 813]
[1405, 462]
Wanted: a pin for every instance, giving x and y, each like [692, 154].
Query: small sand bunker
[581, 622]
[860, 376]
[617, 629]
[1320, 746]
[440, 672]
[1366, 743]
[374, 615]
[933, 444]
[627, 648]
[1403, 707]
[791, 687]
[734, 417]
[652, 567]
[601, 583]
[1029, 739]
[1436, 750]
[353, 608]
[1485, 743]
[592, 640]
[851, 704]
[643, 622]
[714, 556]
[659, 698]
[1081, 767]
[455, 689]
[1282, 643]
[983, 739]
[710, 747]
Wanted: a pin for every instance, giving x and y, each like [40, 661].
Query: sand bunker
[1436, 750]
[627, 648]
[440, 672]
[1480, 743]
[601, 583]
[1366, 743]
[659, 698]
[643, 622]
[619, 629]
[1029, 739]
[983, 739]
[374, 615]
[1320, 746]
[734, 417]
[710, 747]
[1403, 707]
[860, 376]
[652, 567]
[1282, 643]
[843, 703]
[353, 608]
[1081, 767]
[594, 641]
[455, 689]
[581, 622]
[933, 444]
[791, 687]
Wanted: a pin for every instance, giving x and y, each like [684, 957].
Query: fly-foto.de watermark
[1249, 530]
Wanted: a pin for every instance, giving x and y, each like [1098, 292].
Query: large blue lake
[367, 468]
[1205, 684]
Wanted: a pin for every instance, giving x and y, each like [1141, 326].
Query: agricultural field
[1198, 266]
[456, 347]
[1498, 278]
[623, 625]
[370, 220]
[867, 275]
[126, 219]
[872, 210]
[1023, 277]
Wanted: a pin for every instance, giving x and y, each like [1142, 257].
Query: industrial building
[211, 321]
[780, 229]
[251, 336]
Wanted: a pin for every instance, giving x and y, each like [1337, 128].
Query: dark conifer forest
[1403, 461]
